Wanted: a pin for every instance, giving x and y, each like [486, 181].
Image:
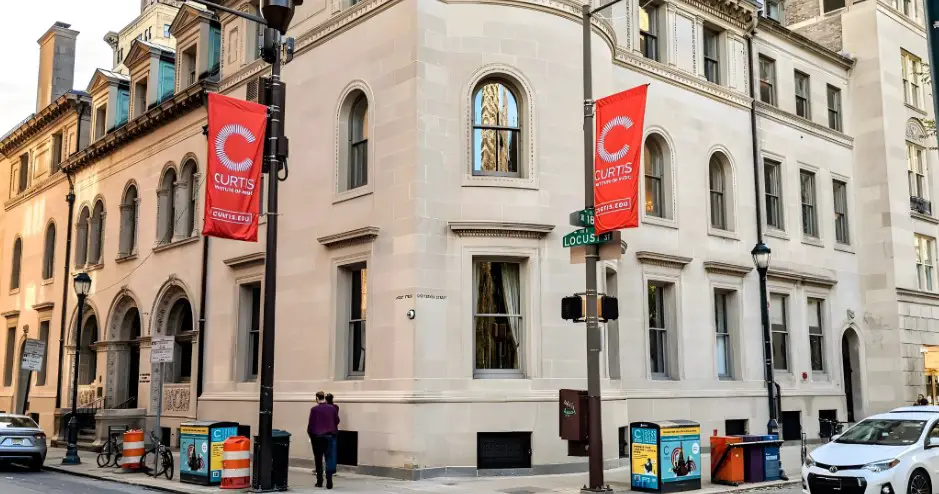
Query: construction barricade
[133, 450]
[236, 463]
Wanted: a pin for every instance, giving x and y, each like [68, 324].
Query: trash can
[200, 450]
[726, 461]
[280, 458]
[772, 466]
[753, 460]
[666, 456]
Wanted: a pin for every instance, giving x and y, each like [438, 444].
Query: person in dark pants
[331, 456]
[323, 423]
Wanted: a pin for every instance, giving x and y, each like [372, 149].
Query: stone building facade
[436, 154]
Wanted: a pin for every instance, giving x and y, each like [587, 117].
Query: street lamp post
[82, 284]
[761, 257]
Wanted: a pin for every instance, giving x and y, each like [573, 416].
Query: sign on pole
[584, 217]
[34, 351]
[162, 349]
[585, 236]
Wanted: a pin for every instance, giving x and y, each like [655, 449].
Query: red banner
[616, 165]
[233, 173]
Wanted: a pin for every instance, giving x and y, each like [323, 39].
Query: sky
[20, 56]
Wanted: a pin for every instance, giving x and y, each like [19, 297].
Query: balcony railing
[920, 205]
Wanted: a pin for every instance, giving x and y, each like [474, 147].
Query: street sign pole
[162, 349]
[34, 352]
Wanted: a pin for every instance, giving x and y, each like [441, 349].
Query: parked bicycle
[163, 456]
[110, 455]
[830, 428]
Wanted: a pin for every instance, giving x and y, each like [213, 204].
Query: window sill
[775, 233]
[14, 291]
[658, 377]
[496, 181]
[924, 217]
[489, 376]
[815, 242]
[915, 109]
[128, 257]
[354, 377]
[348, 195]
[93, 267]
[48, 281]
[655, 220]
[731, 235]
[177, 243]
[844, 248]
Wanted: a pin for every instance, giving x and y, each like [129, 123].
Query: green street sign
[585, 236]
[584, 217]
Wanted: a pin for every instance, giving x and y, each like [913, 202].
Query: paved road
[15, 480]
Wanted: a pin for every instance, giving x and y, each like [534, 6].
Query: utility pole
[594, 338]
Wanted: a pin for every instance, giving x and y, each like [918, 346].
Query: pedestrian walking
[332, 455]
[323, 423]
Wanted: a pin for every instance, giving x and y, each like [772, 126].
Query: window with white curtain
[779, 322]
[497, 317]
[816, 334]
[772, 188]
[809, 209]
[717, 181]
[358, 305]
[925, 262]
[659, 329]
[723, 350]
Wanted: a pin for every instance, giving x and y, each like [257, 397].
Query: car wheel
[919, 483]
[35, 464]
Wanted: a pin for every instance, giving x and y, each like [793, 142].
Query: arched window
[185, 192]
[496, 130]
[166, 213]
[17, 261]
[96, 239]
[81, 238]
[128, 240]
[48, 254]
[717, 180]
[180, 326]
[655, 179]
[358, 143]
[88, 355]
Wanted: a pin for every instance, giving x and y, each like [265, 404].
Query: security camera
[411, 314]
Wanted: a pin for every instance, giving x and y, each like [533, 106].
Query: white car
[890, 453]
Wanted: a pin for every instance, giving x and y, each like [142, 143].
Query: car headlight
[881, 466]
[809, 461]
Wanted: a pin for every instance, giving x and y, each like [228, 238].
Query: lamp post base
[597, 489]
[71, 454]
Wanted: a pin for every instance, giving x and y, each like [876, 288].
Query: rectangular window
[140, 98]
[736, 427]
[43, 337]
[249, 320]
[840, 195]
[791, 425]
[925, 262]
[8, 357]
[712, 60]
[803, 95]
[658, 330]
[24, 173]
[909, 8]
[832, 5]
[166, 30]
[779, 322]
[767, 80]
[809, 212]
[916, 162]
[101, 115]
[772, 177]
[497, 318]
[56, 151]
[772, 9]
[648, 31]
[912, 73]
[723, 351]
[816, 335]
[834, 108]
[357, 275]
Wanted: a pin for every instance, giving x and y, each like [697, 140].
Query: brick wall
[800, 10]
[826, 32]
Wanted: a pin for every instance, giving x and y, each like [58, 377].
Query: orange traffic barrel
[236, 463]
[133, 450]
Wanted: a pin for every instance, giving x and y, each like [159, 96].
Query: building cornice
[350, 237]
[677, 77]
[503, 229]
[805, 125]
[43, 306]
[916, 295]
[246, 260]
[793, 276]
[731, 269]
[36, 123]
[662, 260]
[10, 314]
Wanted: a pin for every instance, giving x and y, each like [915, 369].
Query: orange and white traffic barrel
[133, 450]
[236, 463]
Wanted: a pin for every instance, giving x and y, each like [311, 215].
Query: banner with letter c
[620, 120]
[233, 175]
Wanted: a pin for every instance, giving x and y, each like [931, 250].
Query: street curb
[86, 475]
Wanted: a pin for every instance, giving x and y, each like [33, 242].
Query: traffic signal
[608, 309]
[574, 308]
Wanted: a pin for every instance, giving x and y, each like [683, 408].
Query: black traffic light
[572, 308]
[609, 308]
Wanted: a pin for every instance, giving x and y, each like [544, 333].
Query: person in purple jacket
[323, 423]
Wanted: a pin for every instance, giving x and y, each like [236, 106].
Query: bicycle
[165, 466]
[110, 455]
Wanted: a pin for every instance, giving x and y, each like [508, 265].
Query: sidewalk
[301, 480]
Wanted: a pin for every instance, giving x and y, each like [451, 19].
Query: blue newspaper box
[200, 450]
[772, 466]
[666, 456]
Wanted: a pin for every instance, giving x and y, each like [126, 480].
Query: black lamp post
[82, 283]
[761, 257]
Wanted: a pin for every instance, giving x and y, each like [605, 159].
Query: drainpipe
[202, 301]
[70, 199]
